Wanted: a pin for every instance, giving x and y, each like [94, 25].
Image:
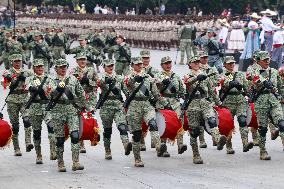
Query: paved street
[240, 171]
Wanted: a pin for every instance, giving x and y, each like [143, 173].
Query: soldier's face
[109, 69]
[37, 38]
[82, 62]
[119, 40]
[167, 66]
[146, 61]
[39, 70]
[61, 70]
[229, 67]
[195, 65]
[138, 67]
[17, 64]
[210, 34]
[204, 60]
[264, 63]
[82, 42]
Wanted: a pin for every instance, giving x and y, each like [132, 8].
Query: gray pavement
[242, 170]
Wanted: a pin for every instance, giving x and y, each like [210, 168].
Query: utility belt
[234, 93]
[19, 91]
[141, 98]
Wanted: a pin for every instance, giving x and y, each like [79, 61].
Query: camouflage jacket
[35, 46]
[118, 52]
[20, 94]
[153, 72]
[59, 39]
[72, 99]
[211, 70]
[89, 50]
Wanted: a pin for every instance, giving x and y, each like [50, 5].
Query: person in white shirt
[268, 28]
[278, 41]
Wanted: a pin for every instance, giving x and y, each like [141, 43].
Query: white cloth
[252, 25]
[278, 37]
[236, 40]
[223, 34]
[268, 25]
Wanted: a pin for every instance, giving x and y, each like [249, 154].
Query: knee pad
[74, 137]
[212, 122]
[195, 132]
[26, 122]
[137, 136]
[262, 131]
[50, 127]
[15, 129]
[281, 126]
[107, 132]
[60, 142]
[242, 121]
[122, 129]
[37, 134]
[153, 125]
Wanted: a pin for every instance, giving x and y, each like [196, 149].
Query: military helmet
[82, 37]
[195, 58]
[203, 54]
[263, 55]
[81, 55]
[145, 54]
[255, 54]
[38, 33]
[61, 62]
[166, 59]
[229, 60]
[136, 60]
[38, 62]
[14, 57]
[108, 62]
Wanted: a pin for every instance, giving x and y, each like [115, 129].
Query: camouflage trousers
[198, 111]
[186, 46]
[91, 100]
[122, 68]
[112, 110]
[14, 109]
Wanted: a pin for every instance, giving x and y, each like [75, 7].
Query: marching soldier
[38, 87]
[171, 90]
[41, 50]
[198, 108]
[67, 96]
[266, 85]
[16, 100]
[58, 43]
[122, 55]
[111, 108]
[233, 90]
[87, 77]
[141, 86]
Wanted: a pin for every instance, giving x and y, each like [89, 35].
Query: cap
[145, 54]
[38, 62]
[14, 57]
[262, 55]
[81, 55]
[229, 60]
[108, 62]
[166, 59]
[61, 62]
[136, 60]
[194, 59]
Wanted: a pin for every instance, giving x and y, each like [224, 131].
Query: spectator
[162, 9]
[224, 13]
[157, 10]
[83, 9]
[149, 12]
[132, 12]
[189, 12]
[116, 11]
[200, 13]
[97, 9]
[194, 11]
[248, 9]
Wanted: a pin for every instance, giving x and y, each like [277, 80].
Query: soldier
[84, 47]
[122, 55]
[87, 77]
[58, 43]
[112, 108]
[205, 68]
[171, 90]
[186, 36]
[41, 50]
[38, 87]
[213, 50]
[16, 100]
[145, 54]
[267, 83]
[66, 94]
[233, 90]
[199, 88]
[141, 86]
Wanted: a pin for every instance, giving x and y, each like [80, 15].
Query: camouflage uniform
[15, 104]
[72, 95]
[140, 109]
[59, 40]
[88, 79]
[38, 86]
[235, 85]
[201, 109]
[267, 83]
[171, 90]
[122, 63]
[112, 110]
